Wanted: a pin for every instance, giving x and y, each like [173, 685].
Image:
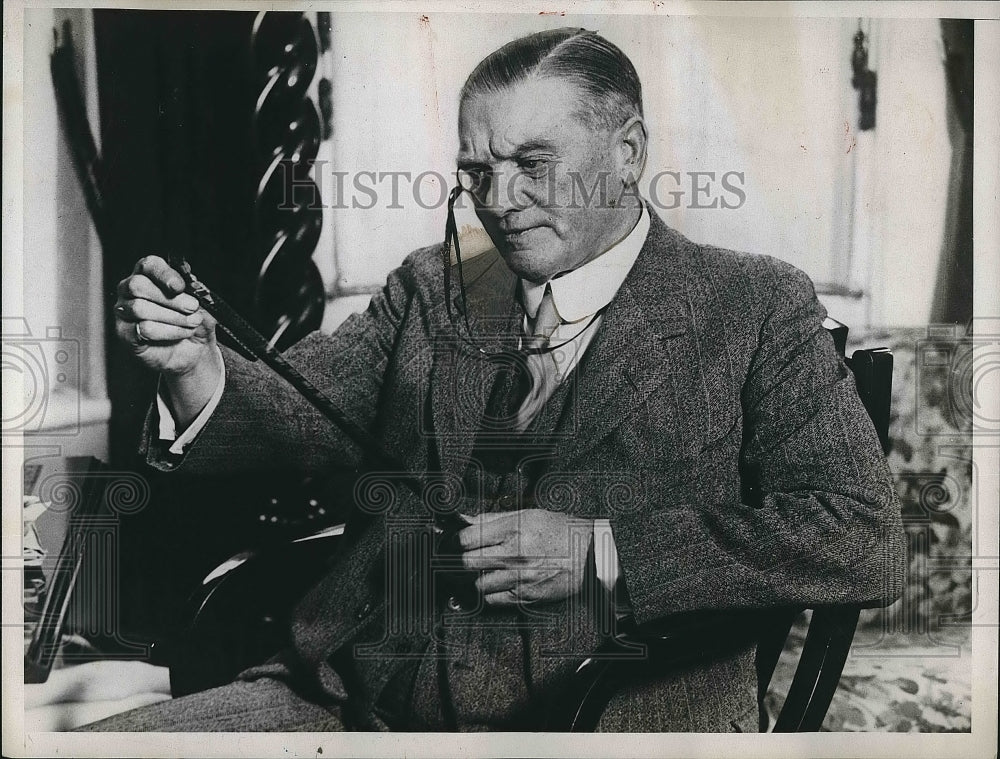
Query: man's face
[536, 165]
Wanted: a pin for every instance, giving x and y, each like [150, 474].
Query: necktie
[525, 380]
[542, 367]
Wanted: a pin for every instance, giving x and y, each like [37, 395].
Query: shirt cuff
[606, 554]
[168, 425]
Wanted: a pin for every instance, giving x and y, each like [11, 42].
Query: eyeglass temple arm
[450, 241]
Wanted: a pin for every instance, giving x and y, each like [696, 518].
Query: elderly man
[631, 425]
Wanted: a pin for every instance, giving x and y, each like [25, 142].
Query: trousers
[262, 705]
[265, 703]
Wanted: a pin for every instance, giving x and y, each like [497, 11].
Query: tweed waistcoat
[502, 470]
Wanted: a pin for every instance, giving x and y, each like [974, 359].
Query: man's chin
[527, 263]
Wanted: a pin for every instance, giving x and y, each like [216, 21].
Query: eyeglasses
[451, 242]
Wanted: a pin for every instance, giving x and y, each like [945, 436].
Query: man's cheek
[560, 193]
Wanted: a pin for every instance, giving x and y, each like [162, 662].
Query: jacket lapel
[634, 353]
[639, 343]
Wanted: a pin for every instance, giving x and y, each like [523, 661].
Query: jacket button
[363, 611]
[454, 604]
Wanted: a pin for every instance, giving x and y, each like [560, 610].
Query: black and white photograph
[405, 379]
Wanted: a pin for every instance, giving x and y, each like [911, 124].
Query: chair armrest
[651, 651]
[240, 615]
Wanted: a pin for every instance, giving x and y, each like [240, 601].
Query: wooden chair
[828, 640]
[240, 615]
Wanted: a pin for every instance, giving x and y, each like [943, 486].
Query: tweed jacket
[710, 421]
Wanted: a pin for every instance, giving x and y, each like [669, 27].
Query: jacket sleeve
[817, 520]
[262, 424]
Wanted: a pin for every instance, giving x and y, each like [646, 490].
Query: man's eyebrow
[466, 160]
[531, 146]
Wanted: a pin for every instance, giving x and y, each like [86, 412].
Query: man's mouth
[516, 237]
[516, 232]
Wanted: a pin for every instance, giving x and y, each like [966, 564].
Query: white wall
[767, 97]
[902, 198]
[61, 300]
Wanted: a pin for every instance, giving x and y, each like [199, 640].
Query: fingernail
[189, 303]
[194, 319]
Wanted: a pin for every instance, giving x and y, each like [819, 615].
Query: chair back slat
[841, 622]
[872, 369]
[769, 647]
[821, 662]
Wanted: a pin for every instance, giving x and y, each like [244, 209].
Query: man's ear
[633, 149]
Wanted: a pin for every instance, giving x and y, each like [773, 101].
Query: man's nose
[506, 194]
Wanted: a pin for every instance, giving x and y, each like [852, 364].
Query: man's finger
[161, 273]
[145, 310]
[156, 332]
[478, 535]
[498, 581]
[491, 516]
[490, 557]
[141, 286]
[503, 598]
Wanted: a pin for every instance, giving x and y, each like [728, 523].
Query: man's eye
[534, 164]
[474, 180]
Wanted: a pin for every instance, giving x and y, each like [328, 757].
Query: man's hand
[169, 333]
[527, 556]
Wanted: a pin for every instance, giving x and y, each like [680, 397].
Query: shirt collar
[582, 292]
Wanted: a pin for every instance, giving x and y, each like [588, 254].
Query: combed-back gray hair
[602, 71]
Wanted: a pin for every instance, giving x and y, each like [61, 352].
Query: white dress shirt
[578, 295]
[168, 425]
[581, 293]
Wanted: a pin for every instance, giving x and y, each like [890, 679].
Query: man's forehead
[535, 114]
